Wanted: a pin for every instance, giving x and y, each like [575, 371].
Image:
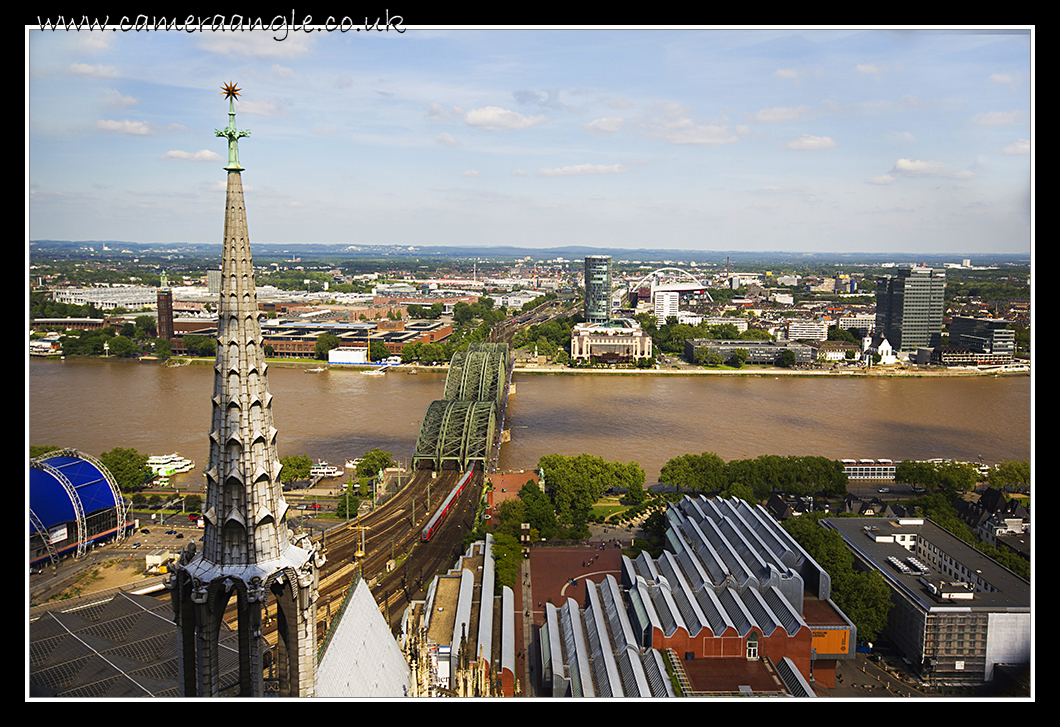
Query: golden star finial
[230, 90]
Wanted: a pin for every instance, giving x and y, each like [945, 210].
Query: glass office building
[598, 288]
[909, 307]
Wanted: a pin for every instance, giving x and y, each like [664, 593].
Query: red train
[447, 505]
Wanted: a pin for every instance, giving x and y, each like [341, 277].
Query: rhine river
[97, 405]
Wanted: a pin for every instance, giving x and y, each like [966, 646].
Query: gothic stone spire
[247, 547]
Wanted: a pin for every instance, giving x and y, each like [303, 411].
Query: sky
[811, 140]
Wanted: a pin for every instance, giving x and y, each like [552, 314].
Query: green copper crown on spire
[230, 91]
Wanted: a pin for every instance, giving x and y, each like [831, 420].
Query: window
[752, 646]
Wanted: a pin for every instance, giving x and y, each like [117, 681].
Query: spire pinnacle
[231, 92]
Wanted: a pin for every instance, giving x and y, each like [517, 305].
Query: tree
[786, 359]
[539, 512]
[507, 560]
[863, 596]
[295, 467]
[377, 351]
[128, 467]
[347, 505]
[1011, 475]
[200, 345]
[374, 460]
[740, 492]
[703, 472]
[146, 326]
[325, 342]
[575, 484]
[193, 503]
[122, 347]
[739, 358]
[706, 357]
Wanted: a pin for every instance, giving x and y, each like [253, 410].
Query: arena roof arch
[73, 502]
[679, 271]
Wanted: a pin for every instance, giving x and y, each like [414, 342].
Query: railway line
[396, 563]
[390, 548]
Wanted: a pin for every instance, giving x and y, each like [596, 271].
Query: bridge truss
[462, 428]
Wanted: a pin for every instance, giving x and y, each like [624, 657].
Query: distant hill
[572, 253]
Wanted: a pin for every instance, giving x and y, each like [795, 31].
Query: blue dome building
[74, 503]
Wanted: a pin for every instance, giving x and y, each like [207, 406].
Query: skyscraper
[667, 303]
[909, 307]
[598, 288]
[247, 550]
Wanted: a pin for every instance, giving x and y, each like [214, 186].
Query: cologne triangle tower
[248, 553]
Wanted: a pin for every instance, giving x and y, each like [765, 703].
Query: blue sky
[810, 140]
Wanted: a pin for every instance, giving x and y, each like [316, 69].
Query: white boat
[167, 465]
[352, 463]
[323, 469]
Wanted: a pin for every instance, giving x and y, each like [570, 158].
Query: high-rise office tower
[598, 288]
[667, 304]
[909, 307]
[247, 552]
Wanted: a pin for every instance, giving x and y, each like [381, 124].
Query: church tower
[247, 551]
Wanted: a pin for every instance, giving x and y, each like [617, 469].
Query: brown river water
[96, 405]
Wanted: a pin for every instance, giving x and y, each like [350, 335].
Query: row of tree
[574, 484]
[764, 475]
[949, 477]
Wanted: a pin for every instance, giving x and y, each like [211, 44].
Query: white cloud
[810, 143]
[203, 155]
[259, 44]
[494, 118]
[781, 114]
[282, 71]
[436, 112]
[882, 179]
[672, 123]
[920, 168]
[1002, 78]
[132, 128]
[579, 169]
[85, 69]
[786, 74]
[608, 125]
[472, 173]
[998, 118]
[520, 173]
[260, 108]
[116, 99]
[446, 139]
[1019, 146]
[866, 68]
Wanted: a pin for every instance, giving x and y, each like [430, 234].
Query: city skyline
[816, 140]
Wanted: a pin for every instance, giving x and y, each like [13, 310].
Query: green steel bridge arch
[461, 429]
